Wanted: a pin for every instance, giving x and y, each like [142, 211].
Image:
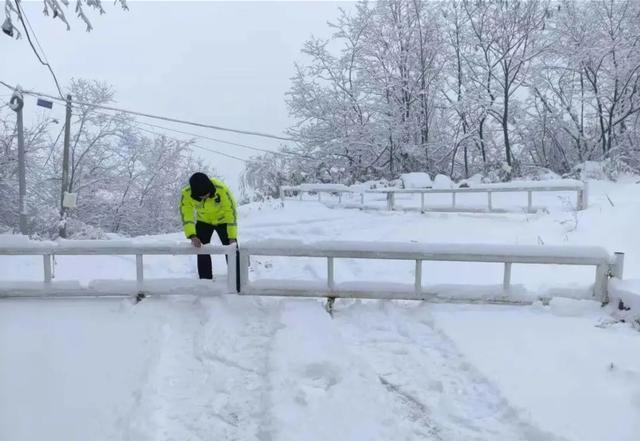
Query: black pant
[204, 232]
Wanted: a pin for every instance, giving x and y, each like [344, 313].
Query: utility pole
[65, 169]
[17, 103]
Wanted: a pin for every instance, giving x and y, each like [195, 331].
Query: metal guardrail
[606, 265]
[581, 190]
[117, 248]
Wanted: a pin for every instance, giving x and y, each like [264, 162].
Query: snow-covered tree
[461, 87]
[37, 151]
[57, 9]
[127, 182]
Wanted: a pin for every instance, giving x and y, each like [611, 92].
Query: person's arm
[186, 213]
[232, 227]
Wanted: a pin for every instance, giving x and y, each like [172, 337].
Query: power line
[165, 118]
[222, 141]
[196, 135]
[219, 153]
[7, 85]
[207, 149]
[137, 124]
[22, 16]
[78, 104]
[159, 117]
[35, 36]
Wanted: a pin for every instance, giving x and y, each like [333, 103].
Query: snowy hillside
[243, 368]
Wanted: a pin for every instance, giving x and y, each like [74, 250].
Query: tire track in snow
[423, 367]
[416, 410]
[209, 380]
[319, 390]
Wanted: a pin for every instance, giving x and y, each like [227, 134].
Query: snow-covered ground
[244, 368]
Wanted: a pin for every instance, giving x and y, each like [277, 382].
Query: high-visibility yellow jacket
[216, 210]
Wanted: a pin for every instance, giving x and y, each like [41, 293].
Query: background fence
[580, 189]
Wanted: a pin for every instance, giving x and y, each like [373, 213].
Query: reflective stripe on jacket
[216, 210]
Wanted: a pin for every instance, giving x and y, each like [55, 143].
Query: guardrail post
[232, 271]
[506, 280]
[418, 281]
[490, 202]
[600, 286]
[453, 199]
[422, 202]
[319, 196]
[47, 267]
[339, 198]
[617, 269]
[579, 196]
[362, 199]
[300, 194]
[529, 201]
[390, 200]
[139, 270]
[281, 194]
[244, 270]
[583, 196]
[331, 283]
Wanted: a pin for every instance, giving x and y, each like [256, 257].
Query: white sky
[222, 63]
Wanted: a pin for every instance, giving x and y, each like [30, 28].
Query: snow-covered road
[245, 368]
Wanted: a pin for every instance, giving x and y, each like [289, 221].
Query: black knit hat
[201, 185]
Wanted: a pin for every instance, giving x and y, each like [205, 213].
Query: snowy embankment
[247, 368]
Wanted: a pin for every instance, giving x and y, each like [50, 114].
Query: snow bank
[558, 183]
[471, 181]
[12, 239]
[600, 170]
[475, 182]
[544, 174]
[376, 184]
[442, 182]
[416, 180]
[323, 187]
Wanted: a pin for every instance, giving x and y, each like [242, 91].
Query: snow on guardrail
[606, 265]
[580, 188]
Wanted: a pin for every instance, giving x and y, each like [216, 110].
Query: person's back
[215, 210]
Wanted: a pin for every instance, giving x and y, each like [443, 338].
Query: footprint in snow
[321, 376]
